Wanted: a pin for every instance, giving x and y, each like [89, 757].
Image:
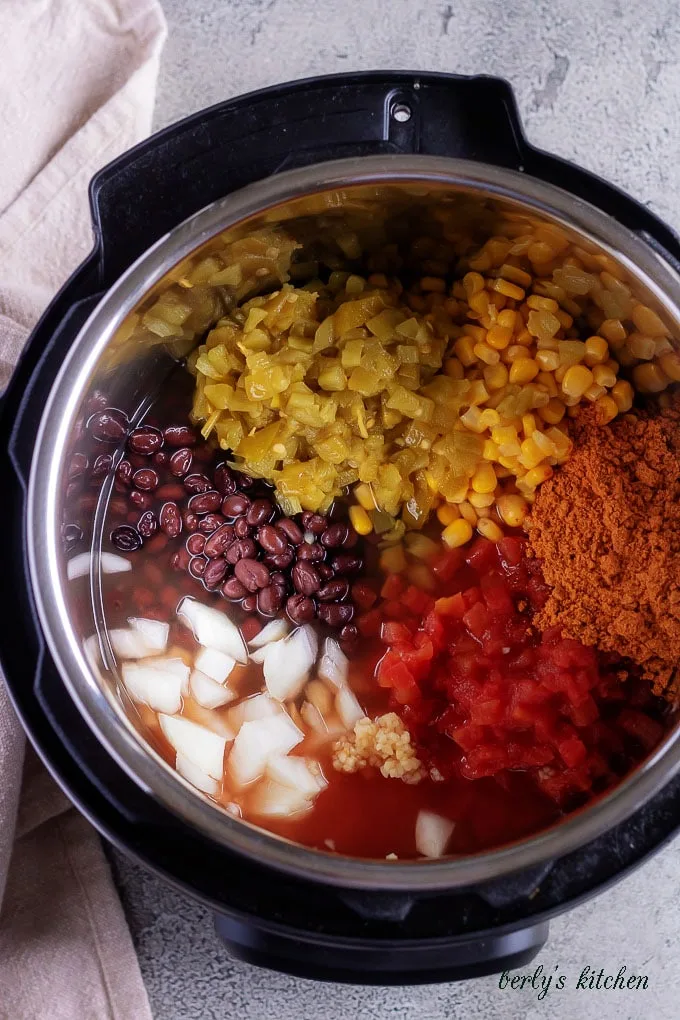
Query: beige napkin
[77, 80]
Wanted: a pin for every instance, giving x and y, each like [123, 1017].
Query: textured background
[598, 83]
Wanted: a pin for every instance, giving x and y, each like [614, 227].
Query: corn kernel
[499, 336]
[512, 510]
[457, 533]
[361, 522]
[523, 371]
[531, 454]
[647, 321]
[447, 513]
[606, 410]
[468, 512]
[433, 283]
[507, 318]
[393, 560]
[547, 381]
[650, 377]
[594, 392]
[363, 494]
[495, 376]
[515, 352]
[464, 348]
[577, 379]
[537, 476]
[603, 376]
[597, 351]
[480, 500]
[640, 346]
[473, 283]
[622, 394]
[454, 368]
[508, 289]
[547, 360]
[670, 364]
[542, 303]
[486, 354]
[489, 529]
[528, 425]
[490, 450]
[484, 478]
[515, 274]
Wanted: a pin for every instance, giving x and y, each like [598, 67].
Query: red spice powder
[607, 530]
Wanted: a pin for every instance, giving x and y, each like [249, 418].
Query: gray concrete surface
[597, 82]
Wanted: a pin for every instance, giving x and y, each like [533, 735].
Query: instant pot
[308, 147]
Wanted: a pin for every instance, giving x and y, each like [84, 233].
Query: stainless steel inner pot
[109, 354]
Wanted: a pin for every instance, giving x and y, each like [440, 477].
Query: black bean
[270, 600]
[314, 523]
[244, 481]
[190, 521]
[179, 435]
[241, 549]
[210, 523]
[124, 472]
[78, 465]
[145, 440]
[271, 539]
[281, 560]
[224, 480]
[161, 458]
[242, 529]
[305, 578]
[205, 502]
[140, 500]
[196, 544]
[300, 609]
[197, 483]
[102, 465]
[252, 574]
[335, 536]
[291, 530]
[126, 539]
[333, 591]
[147, 525]
[145, 479]
[180, 560]
[233, 589]
[219, 541]
[347, 563]
[197, 566]
[313, 552]
[324, 571]
[213, 575]
[249, 604]
[234, 506]
[336, 614]
[108, 426]
[259, 512]
[280, 579]
[181, 461]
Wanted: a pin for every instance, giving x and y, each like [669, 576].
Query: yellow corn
[512, 510]
[480, 500]
[484, 478]
[447, 513]
[603, 376]
[553, 412]
[486, 354]
[650, 377]
[489, 529]
[464, 349]
[467, 512]
[547, 360]
[514, 274]
[528, 425]
[597, 351]
[647, 321]
[537, 476]
[622, 395]
[495, 376]
[457, 533]
[499, 336]
[508, 289]
[542, 303]
[607, 409]
[670, 364]
[361, 522]
[523, 371]
[364, 496]
[577, 379]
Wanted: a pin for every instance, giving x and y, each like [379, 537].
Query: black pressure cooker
[250, 161]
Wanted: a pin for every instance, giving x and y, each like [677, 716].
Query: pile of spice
[607, 530]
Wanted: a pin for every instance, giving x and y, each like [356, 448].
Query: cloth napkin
[77, 80]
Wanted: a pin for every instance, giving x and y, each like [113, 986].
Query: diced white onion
[273, 800]
[334, 665]
[289, 770]
[208, 692]
[259, 655]
[170, 664]
[258, 741]
[433, 833]
[212, 628]
[79, 566]
[210, 718]
[161, 691]
[287, 663]
[348, 708]
[201, 746]
[154, 632]
[215, 664]
[275, 630]
[128, 643]
[194, 775]
[260, 706]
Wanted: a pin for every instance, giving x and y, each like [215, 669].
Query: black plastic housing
[301, 927]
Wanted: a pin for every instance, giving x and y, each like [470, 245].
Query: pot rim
[106, 718]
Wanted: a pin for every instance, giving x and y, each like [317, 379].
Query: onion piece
[275, 630]
[299, 773]
[215, 664]
[79, 566]
[348, 708]
[433, 832]
[287, 663]
[201, 746]
[128, 643]
[194, 775]
[258, 741]
[161, 691]
[334, 665]
[208, 692]
[212, 628]
[210, 718]
[273, 800]
[154, 633]
[260, 654]
[260, 706]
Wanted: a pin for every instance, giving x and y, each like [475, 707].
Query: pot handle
[144, 193]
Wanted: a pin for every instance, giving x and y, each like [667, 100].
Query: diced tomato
[417, 601]
[392, 632]
[573, 751]
[369, 624]
[363, 595]
[477, 620]
[511, 550]
[488, 713]
[482, 555]
[449, 564]
[454, 605]
[395, 610]
[393, 586]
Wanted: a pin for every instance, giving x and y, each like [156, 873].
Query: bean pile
[225, 528]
